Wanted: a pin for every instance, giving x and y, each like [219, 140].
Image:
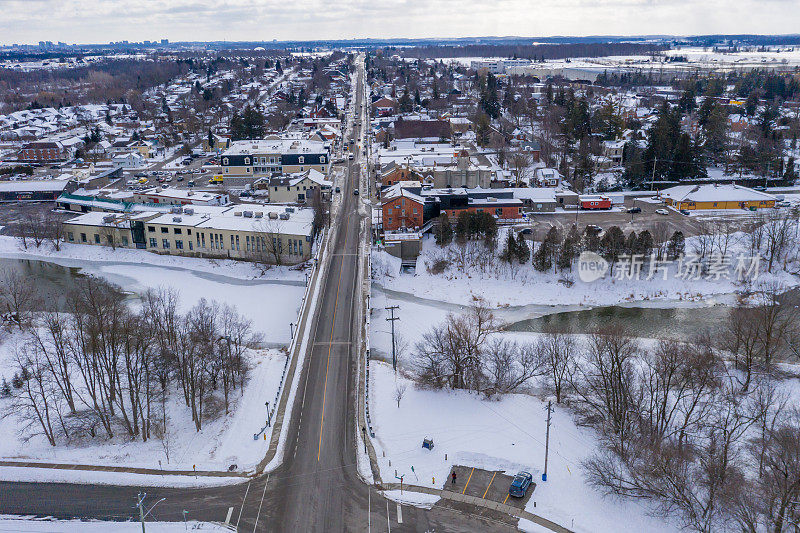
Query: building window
[322, 159]
[176, 231]
[498, 211]
[151, 229]
[70, 237]
[153, 243]
[83, 237]
[96, 238]
[224, 160]
[190, 246]
[165, 244]
[164, 230]
[233, 246]
[301, 159]
[246, 160]
[237, 242]
[179, 245]
[124, 241]
[188, 232]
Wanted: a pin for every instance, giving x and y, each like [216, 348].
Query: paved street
[317, 488]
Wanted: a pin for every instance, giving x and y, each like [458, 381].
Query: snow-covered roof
[714, 192]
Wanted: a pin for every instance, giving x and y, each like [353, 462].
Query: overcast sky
[100, 21]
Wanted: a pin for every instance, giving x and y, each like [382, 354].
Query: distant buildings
[42, 152]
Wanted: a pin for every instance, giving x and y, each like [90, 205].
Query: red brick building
[402, 208]
[41, 152]
[392, 174]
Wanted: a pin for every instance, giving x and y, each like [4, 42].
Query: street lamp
[269, 415]
[291, 330]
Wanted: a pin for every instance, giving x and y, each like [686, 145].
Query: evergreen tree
[5, 389]
[523, 250]
[644, 244]
[444, 231]
[630, 243]
[509, 252]
[612, 245]
[676, 245]
[591, 238]
[570, 249]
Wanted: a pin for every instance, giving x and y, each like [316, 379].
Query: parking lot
[488, 485]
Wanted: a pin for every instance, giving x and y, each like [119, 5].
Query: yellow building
[716, 196]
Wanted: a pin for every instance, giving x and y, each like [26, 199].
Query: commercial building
[295, 188]
[34, 190]
[716, 196]
[270, 233]
[172, 196]
[244, 161]
[42, 152]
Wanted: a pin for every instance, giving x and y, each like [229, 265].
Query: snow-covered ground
[502, 286]
[504, 434]
[222, 442]
[271, 302]
[20, 523]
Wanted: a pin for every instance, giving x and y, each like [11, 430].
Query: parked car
[635, 210]
[519, 486]
[338, 189]
[179, 178]
[350, 157]
[526, 231]
[662, 212]
[783, 203]
[355, 192]
[685, 212]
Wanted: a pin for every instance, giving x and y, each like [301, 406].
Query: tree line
[95, 367]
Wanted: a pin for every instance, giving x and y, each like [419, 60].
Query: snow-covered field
[19, 523]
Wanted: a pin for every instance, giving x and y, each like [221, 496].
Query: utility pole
[391, 319]
[653, 177]
[547, 440]
[140, 504]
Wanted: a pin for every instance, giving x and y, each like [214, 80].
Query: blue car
[519, 486]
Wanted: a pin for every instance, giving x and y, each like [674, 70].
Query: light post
[364, 436]
[269, 415]
[291, 330]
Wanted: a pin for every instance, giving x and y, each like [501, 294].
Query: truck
[215, 180]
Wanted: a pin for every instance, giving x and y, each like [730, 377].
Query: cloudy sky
[93, 21]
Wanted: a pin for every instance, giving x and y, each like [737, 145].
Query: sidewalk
[479, 502]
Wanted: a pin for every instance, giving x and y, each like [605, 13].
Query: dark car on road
[355, 192]
[635, 210]
[519, 486]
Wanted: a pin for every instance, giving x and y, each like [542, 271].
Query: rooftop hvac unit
[248, 214]
[273, 216]
[284, 216]
[175, 209]
[108, 218]
[237, 213]
[188, 211]
[259, 214]
[176, 219]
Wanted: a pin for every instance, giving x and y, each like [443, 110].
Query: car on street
[338, 189]
[520, 484]
[685, 212]
[526, 231]
[662, 212]
[355, 192]
[350, 157]
[783, 203]
[635, 210]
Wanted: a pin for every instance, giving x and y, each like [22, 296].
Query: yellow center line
[504, 501]
[468, 479]
[487, 488]
[330, 346]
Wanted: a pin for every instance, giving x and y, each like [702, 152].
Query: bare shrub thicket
[460, 354]
[102, 369]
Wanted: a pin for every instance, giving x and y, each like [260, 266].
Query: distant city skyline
[102, 21]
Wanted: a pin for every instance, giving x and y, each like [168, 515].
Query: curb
[479, 502]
